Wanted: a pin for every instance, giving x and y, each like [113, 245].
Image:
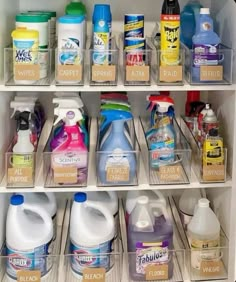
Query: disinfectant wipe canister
[39, 23]
[25, 51]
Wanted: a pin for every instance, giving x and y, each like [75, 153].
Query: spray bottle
[117, 163]
[72, 152]
[162, 136]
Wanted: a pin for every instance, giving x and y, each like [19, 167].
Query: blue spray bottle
[116, 161]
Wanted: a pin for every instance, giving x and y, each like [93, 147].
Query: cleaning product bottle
[91, 234]
[170, 33]
[48, 202]
[132, 198]
[189, 20]
[162, 135]
[187, 204]
[73, 152]
[3, 215]
[210, 121]
[205, 45]
[77, 8]
[109, 199]
[117, 163]
[28, 237]
[149, 240]
[200, 123]
[204, 234]
[23, 149]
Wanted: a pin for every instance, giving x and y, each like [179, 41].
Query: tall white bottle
[204, 234]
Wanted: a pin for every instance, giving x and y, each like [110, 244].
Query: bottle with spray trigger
[73, 151]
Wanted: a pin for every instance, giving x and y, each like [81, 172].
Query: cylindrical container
[39, 23]
[70, 41]
[134, 48]
[134, 25]
[25, 50]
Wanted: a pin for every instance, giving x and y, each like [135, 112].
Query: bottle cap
[80, 197]
[71, 19]
[31, 18]
[102, 12]
[203, 203]
[205, 11]
[143, 200]
[17, 200]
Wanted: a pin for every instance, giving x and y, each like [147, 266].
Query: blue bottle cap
[17, 200]
[102, 12]
[80, 197]
[71, 19]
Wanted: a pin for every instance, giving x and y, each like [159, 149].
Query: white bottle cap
[205, 11]
[203, 203]
[143, 200]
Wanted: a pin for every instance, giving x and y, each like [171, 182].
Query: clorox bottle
[92, 230]
[29, 234]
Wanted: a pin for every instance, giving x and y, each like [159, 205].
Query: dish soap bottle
[204, 234]
[148, 240]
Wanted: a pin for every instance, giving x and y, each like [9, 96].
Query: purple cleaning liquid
[150, 248]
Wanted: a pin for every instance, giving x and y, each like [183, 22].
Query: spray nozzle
[22, 119]
[162, 102]
[71, 116]
[22, 106]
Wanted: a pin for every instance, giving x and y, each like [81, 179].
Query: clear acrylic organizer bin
[69, 70]
[105, 73]
[119, 168]
[209, 264]
[205, 173]
[23, 72]
[176, 172]
[137, 66]
[219, 71]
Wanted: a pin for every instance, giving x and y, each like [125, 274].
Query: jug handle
[162, 208]
[105, 211]
[41, 212]
[161, 199]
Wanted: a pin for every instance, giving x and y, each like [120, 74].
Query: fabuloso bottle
[170, 32]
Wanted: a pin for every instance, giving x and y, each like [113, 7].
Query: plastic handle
[50, 196]
[162, 208]
[112, 195]
[41, 212]
[103, 210]
[161, 200]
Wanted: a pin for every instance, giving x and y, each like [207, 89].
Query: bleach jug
[149, 239]
[47, 201]
[92, 230]
[28, 238]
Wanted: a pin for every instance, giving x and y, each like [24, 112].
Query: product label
[29, 260]
[170, 173]
[23, 160]
[70, 52]
[93, 257]
[133, 25]
[72, 158]
[94, 275]
[103, 73]
[205, 55]
[208, 251]
[150, 254]
[69, 72]
[171, 73]
[213, 172]
[157, 272]
[101, 47]
[65, 175]
[137, 73]
[22, 175]
[211, 268]
[211, 73]
[28, 276]
[170, 34]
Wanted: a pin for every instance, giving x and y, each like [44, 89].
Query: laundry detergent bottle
[92, 230]
[29, 234]
[149, 241]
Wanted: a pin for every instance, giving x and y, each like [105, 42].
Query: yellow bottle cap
[23, 33]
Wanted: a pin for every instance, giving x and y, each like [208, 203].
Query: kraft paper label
[211, 73]
[27, 72]
[213, 173]
[171, 73]
[103, 73]
[69, 72]
[170, 173]
[157, 272]
[28, 276]
[94, 275]
[211, 268]
[22, 175]
[118, 174]
[66, 175]
[137, 73]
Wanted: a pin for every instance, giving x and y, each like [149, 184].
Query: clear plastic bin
[176, 172]
[70, 73]
[122, 167]
[24, 72]
[205, 173]
[220, 71]
[104, 74]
